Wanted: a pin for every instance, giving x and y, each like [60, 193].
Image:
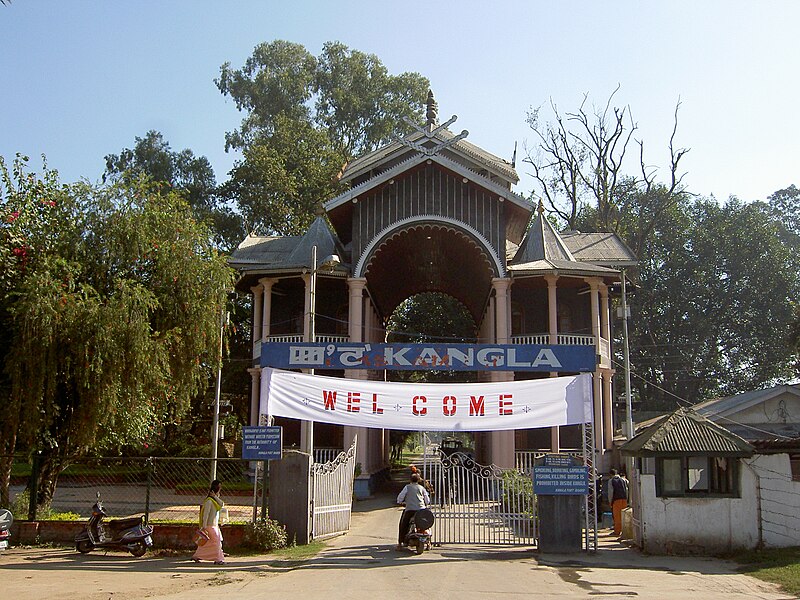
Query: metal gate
[332, 494]
[480, 504]
[484, 504]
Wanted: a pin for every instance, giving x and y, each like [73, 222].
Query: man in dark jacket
[618, 496]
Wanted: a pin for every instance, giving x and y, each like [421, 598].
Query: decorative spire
[320, 210]
[432, 113]
[541, 207]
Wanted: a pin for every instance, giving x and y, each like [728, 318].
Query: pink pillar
[258, 296]
[597, 387]
[356, 332]
[608, 420]
[255, 394]
[266, 304]
[552, 314]
[502, 442]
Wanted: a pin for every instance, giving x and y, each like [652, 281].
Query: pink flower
[13, 216]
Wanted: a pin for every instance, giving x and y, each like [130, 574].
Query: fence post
[264, 482]
[33, 485]
[150, 468]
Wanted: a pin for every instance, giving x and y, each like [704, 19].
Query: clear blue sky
[82, 79]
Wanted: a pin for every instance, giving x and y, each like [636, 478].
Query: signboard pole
[265, 480]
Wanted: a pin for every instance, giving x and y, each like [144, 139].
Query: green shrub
[20, 505]
[265, 535]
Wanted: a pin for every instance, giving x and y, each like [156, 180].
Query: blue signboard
[433, 357]
[262, 443]
[561, 481]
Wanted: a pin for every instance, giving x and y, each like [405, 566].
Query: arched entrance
[429, 255]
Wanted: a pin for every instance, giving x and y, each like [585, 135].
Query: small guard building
[432, 212]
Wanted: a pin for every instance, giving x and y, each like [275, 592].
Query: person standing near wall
[618, 496]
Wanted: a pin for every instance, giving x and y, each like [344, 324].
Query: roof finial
[541, 207]
[432, 113]
[320, 210]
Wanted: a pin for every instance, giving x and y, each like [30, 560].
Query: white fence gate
[332, 494]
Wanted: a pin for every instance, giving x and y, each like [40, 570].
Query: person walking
[618, 496]
[415, 497]
[209, 523]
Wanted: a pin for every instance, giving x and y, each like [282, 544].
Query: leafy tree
[431, 317]
[182, 171]
[716, 285]
[306, 117]
[110, 305]
[785, 207]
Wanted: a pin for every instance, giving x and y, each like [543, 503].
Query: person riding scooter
[415, 497]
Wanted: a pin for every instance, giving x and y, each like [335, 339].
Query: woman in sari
[209, 523]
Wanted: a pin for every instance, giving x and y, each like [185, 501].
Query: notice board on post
[262, 443]
[561, 481]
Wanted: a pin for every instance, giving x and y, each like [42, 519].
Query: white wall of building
[780, 500]
[709, 525]
[698, 525]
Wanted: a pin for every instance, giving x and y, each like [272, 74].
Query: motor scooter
[419, 531]
[129, 534]
[6, 519]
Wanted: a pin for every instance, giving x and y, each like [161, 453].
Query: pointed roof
[542, 242]
[544, 251]
[467, 150]
[287, 253]
[686, 433]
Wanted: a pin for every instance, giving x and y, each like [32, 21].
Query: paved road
[364, 565]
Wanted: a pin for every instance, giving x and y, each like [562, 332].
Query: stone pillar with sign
[560, 486]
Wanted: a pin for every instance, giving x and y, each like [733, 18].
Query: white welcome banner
[489, 406]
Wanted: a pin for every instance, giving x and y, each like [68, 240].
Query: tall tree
[112, 306]
[582, 163]
[190, 175]
[713, 304]
[306, 117]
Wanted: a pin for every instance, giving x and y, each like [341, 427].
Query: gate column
[356, 286]
[502, 442]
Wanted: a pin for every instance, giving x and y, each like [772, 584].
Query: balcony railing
[574, 339]
[293, 338]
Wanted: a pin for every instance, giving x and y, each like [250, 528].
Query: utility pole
[215, 420]
[628, 404]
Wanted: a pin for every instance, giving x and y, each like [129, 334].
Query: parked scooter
[419, 531]
[6, 519]
[122, 534]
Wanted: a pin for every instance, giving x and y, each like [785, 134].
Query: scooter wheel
[138, 549]
[84, 546]
[420, 547]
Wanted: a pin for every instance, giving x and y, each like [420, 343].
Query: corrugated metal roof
[599, 248]
[561, 266]
[686, 433]
[544, 251]
[289, 252]
[721, 406]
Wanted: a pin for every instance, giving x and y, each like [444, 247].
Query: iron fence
[163, 489]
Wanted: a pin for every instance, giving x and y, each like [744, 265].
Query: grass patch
[290, 553]
[776, 565]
